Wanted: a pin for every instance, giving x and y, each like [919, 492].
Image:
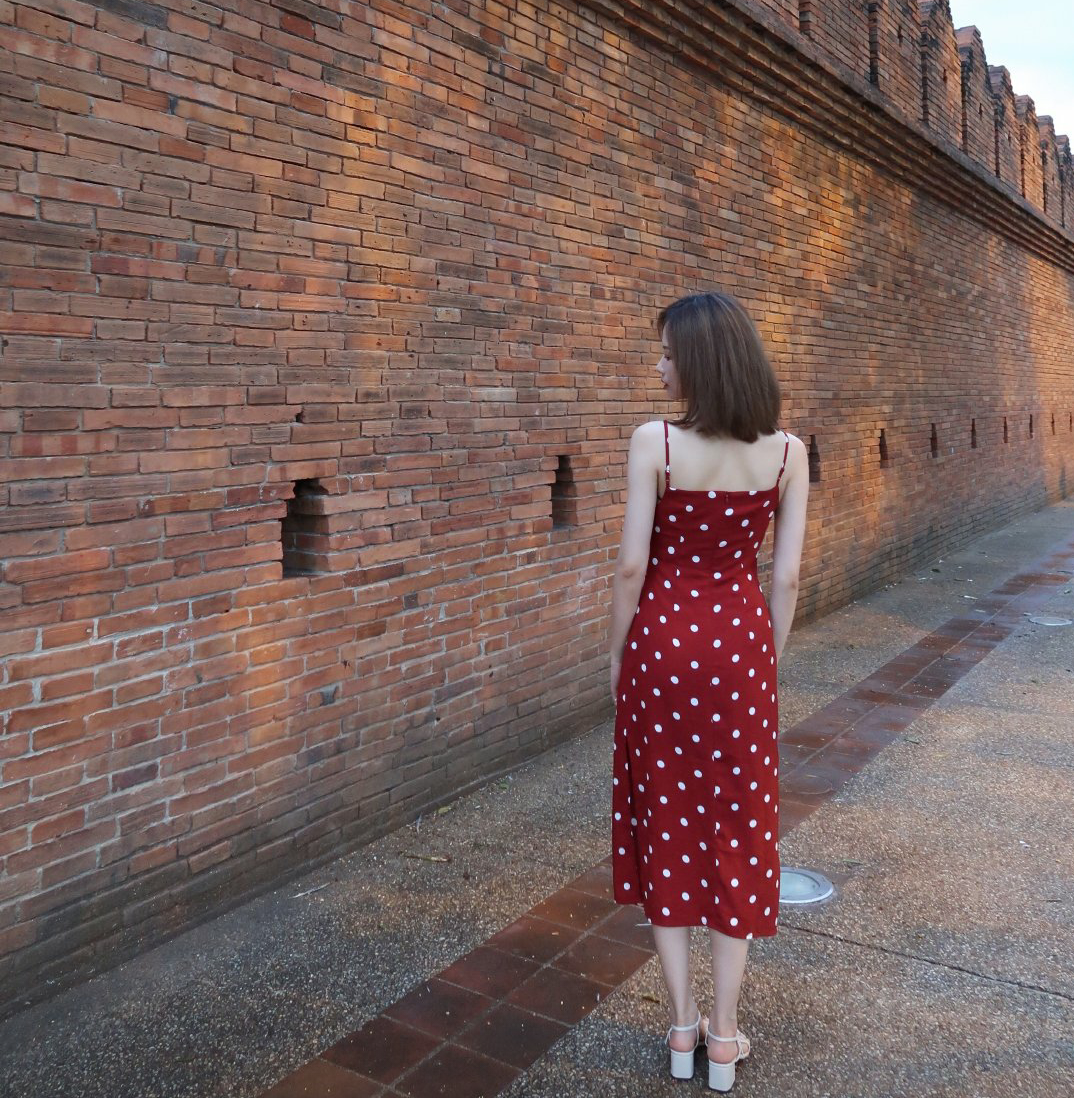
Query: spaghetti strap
[786, 449]
[667, 459]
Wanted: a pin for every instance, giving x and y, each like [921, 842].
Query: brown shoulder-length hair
[724, 374]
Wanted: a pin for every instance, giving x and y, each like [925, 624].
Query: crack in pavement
[928, 961]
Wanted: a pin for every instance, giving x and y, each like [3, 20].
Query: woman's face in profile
[666, 367]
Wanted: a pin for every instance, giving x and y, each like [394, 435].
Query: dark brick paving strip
[470, 1030]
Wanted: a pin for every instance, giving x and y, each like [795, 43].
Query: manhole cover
[803, 886]
[1048, 619]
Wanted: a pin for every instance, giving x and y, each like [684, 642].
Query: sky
[1035, 40]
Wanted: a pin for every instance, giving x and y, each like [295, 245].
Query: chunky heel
[682, 1063]
[722, 1076]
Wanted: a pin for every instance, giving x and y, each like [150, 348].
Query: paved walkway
[928, 769]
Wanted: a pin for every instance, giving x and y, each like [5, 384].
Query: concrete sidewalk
[944, 964]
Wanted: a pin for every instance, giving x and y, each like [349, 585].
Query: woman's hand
[616, 665]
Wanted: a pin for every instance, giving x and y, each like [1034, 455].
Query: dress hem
[715, 922]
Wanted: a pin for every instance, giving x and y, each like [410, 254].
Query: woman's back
[700, 464]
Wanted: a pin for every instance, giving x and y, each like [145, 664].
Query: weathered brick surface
[403, 260]
[1032, 175]
[978, 115]
[1009, 129]
[941, 72]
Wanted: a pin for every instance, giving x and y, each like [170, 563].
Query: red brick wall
[941, 72]
[1009, 129]
[840, 28]
[1049, 155]
[1032, 173]
[403, 260]
[978, 109]
[898, 54]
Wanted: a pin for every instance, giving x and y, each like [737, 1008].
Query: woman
[694, 653]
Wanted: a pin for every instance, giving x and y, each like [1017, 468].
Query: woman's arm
[787, 549]
[646, 449]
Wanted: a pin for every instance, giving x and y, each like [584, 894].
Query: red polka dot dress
[695, 793]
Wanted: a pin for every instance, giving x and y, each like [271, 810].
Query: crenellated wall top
[902, 56]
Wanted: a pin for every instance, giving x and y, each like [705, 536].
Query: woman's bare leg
[728, 968]
[673, 948]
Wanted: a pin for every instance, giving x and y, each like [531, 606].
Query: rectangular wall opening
[805, 16]
[302, 531]
[564, 495]
[873, 12]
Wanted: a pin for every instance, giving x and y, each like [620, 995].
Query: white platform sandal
[682, 1063]
[722, 1076]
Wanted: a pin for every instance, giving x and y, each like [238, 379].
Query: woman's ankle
[723, 1026]
[688, 1018]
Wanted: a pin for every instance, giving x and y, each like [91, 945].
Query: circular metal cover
[803, 886]
[1048, 619]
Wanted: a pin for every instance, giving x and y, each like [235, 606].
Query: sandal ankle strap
[739, 1036]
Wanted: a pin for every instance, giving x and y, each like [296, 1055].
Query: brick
[17, 205]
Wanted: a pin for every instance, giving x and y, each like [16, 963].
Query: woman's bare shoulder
[649, 432]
